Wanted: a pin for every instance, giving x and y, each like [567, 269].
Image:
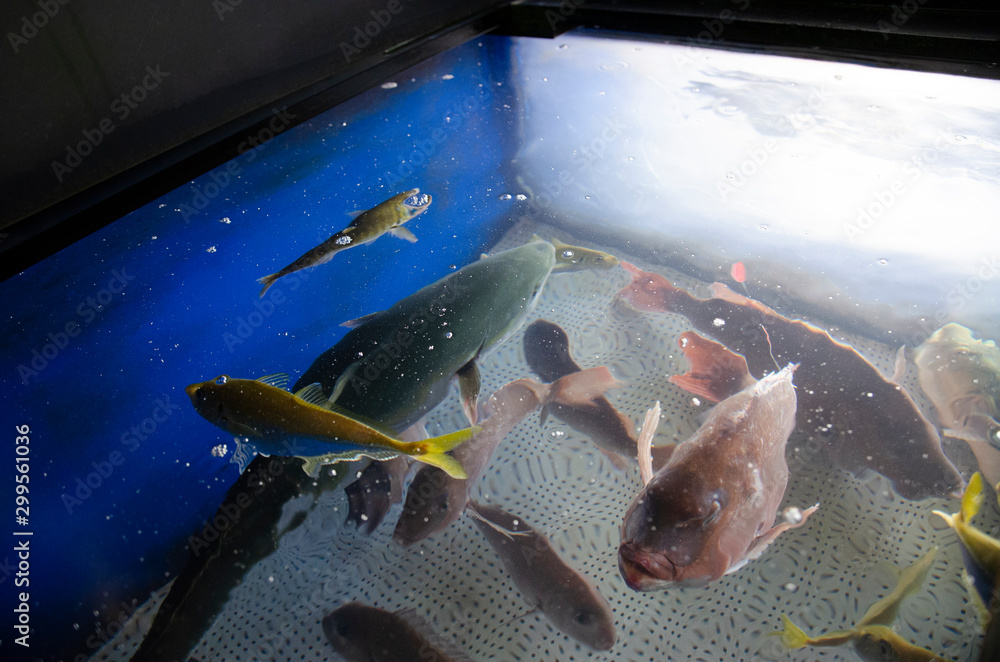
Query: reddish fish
[711, 507]
[862, 418]
[435, 500]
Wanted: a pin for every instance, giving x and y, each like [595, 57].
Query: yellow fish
[872, 638]
[269, 420]
[980, 551]
[366, 227]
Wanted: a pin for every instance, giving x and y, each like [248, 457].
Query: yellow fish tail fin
[435, 451]
[268, 281]
[972, 500]
[792, 636]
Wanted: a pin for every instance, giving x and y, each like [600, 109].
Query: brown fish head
[344, 627]
[670, 532]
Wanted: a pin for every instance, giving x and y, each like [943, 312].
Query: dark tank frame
[59, 53]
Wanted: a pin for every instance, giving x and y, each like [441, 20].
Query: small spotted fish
[366, 227]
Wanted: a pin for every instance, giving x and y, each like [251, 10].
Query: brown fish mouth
[645, 571]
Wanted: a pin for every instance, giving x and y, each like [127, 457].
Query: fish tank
[678, 352]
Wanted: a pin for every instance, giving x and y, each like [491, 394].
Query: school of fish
[702, 509]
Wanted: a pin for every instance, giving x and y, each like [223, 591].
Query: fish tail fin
[649, 291]
[716, 371]
[435, 451]
[268, 281]
[792, 636]
[972, 500]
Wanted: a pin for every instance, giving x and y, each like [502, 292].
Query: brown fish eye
[584, 618]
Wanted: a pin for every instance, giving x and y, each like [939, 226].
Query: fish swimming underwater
[388, 216]
[273, 421]
[861, 418]
[577, 258]
[434, 500]
[712, 506]
[397, 364]
[980, 552]
[873, 637]
[546, 349]
[961, 376]
[546, 582]
[361, 633]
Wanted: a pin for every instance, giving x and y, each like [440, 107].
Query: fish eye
[828, 432]
[341, 628]
[221, 379]
[584, 618]
[885, 650]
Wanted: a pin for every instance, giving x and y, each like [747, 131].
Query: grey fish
[361, 633]
[546, 348]
[546, 582]
[961, 376]
[388, 216]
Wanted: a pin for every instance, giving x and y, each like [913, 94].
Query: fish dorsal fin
[277, 380]
[900, 367]
[358, 321]
[354, 214]
[472, 507]
[313, 394]
[645, 443]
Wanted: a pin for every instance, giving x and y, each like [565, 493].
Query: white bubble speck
[696, 402]
[557, 434]
[792, 515]
[521, 196]
[790, 587]
[343, 241]
[219, 451]
[718, 321]
[447, 77]
[225, 219]
[448, 335]
[390, 85]
[210, 249]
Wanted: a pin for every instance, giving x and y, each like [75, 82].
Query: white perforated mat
[824, 575]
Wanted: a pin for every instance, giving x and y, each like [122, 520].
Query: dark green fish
[397, 364]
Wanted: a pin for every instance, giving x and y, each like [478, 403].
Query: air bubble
[505, 196]
[390, 85]
[557, 434]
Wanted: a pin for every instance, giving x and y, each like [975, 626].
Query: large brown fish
[861, 418]
[961, 376]
[435, 500]
[546, 582]
[712, 506]
[361, 633]
[546, 349]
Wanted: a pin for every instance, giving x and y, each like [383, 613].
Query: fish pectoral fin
[469, 384]
[343, 380]
[242, 456]
[761, 542]
[358, 321]
[277, 380]
[400, 232]
[645, 443]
